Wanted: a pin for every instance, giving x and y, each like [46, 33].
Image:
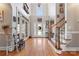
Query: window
[39, 10]
[39, 19]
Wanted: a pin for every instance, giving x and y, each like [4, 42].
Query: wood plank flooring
[38, 47]
[34, 47]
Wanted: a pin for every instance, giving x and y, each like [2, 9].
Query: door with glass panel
[38, 30]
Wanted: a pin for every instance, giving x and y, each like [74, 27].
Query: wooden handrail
[59, 23]
[63, 23]
[60, 20]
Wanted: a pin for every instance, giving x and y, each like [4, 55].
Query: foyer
[39, 29]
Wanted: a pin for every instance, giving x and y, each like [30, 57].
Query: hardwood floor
[69, 53]
[38, 47]
[34, 47]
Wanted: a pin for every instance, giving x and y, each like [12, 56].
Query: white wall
[52, 14]
[72, 18]
[52, 10]
[73, 24]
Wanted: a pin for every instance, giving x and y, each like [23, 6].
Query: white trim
[70, 32]
[4, 48]
[64, 48]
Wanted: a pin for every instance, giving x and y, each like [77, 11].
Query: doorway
[39, 30]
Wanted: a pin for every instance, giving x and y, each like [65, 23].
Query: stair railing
[58, 25]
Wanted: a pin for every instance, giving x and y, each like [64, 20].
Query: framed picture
[14, 19]
[61, 10]
[39, 19]
[61, 6]
[1, 15]
[25, 7]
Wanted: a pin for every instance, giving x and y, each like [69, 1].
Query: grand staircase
[66, 44]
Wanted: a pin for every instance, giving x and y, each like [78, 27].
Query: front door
[39, 30]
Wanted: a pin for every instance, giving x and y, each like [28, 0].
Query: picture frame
[14, 19]
[61, 10]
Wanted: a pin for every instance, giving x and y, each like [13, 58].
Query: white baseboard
[4, 48]
[64, 48]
